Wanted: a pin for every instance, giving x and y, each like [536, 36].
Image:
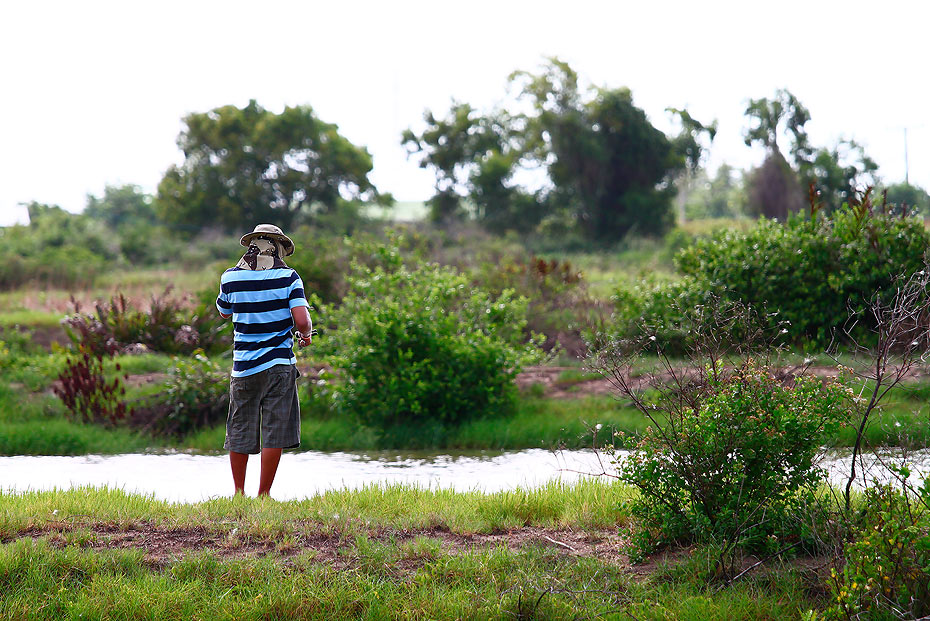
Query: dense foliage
[422, 345]
[88, 395]
[197, 395]
[809, 273]
[250, 165]
[609, 170]
[885, 569]
[735, 464]
[167, 326]
[56, 248]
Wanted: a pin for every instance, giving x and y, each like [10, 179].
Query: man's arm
[303, 324]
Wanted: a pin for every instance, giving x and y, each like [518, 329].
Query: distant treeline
[602, 172]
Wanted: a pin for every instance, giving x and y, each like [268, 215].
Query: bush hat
[269, 231]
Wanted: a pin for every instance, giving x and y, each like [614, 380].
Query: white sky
[93, 92]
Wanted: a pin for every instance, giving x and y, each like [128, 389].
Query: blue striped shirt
[260, 303]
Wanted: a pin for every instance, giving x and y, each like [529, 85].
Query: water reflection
[184, 477]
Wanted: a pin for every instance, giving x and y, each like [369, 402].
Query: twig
[559, 543]
[764, 560]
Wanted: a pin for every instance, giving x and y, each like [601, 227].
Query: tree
[689, 143]
[122, 206]
[838, 173]
[777, 188]
[244, 166]
[474, 158]
[908, 198]
[721, 196]
[774, 190]
[772, 117]
[609, 167]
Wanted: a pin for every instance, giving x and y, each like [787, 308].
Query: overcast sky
[93, 92]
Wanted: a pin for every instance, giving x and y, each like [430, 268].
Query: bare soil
[324, 544]
[550, 378]
[162, 545]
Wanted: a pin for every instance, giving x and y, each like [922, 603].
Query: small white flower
[652, 338]
[55, 512]
[597, 427]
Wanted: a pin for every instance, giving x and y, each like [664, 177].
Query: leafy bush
[168, 326]
[89, 396]
[659, 310]
[733, 465]
[197, 395]
[423, 345]
[811, 271]
[322, 263]
[559, 306]
[885, 572]
[56, 248]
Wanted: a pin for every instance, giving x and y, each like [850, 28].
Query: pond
[184, 477]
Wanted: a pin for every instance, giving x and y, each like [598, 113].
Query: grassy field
[33, 420]
[373, 553]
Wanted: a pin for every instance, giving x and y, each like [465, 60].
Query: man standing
[266, 300]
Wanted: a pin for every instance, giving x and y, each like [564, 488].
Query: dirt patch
[555, 387]
[144, 379]
[162, 545]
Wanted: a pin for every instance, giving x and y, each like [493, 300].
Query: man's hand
[304, 332]
[304, 339]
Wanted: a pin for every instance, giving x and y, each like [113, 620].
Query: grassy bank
[372, 553]
[33, 420]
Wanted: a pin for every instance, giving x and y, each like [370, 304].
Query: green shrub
[559, 306]
[197, 395]
[885, 569]
[56, 248]
[322, 263]
[733, 464]
[168, 326]
[661, 310]
[809, 273]
[423, 345]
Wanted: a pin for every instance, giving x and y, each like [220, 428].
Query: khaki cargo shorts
[263, 411]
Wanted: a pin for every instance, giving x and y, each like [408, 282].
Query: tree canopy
[243, 166]
[122, 206]
[779, 186]
[474, 158]
[609, 171]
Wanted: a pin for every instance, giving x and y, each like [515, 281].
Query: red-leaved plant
[89, 396]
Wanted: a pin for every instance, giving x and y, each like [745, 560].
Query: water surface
[184, 477]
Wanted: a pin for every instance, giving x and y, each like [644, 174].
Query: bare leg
[270, 459]
[238, 463]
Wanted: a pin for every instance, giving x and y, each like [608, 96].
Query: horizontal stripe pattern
[260, 303]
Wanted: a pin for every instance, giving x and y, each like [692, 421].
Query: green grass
[591, 504]
[30, 319]
[376, 568]
[538, 423]
[137, 285]
[32, 418]
[61, 437]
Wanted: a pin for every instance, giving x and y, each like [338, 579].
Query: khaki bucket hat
[269, 231]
